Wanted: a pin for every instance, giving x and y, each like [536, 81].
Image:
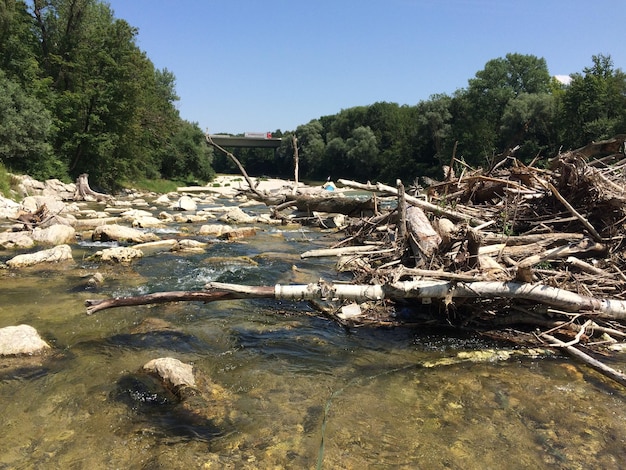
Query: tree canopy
[86, 99]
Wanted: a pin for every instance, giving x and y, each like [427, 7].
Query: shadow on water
[160, 413]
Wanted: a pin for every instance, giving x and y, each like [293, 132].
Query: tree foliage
[104, 109]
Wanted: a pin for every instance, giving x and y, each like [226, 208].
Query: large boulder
[52, 255]
[54, 235]
[21, 340]
[34, 203]
[114, 232]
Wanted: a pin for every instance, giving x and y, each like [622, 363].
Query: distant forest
[77, 95]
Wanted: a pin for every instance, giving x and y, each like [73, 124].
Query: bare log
[605, 370]
[94, 306]
[427, 206]
[417, 289]
[253, 187]
[347, 250]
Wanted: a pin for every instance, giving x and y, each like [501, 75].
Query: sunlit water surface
[289, 390]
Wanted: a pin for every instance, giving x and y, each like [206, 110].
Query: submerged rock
[52, 255]
[174, 374]
[21, 340]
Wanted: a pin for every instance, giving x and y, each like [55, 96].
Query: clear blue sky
[252, 65]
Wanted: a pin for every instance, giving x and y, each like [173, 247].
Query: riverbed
[291, 389]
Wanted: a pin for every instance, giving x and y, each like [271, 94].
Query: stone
[114, 232]
[119, 254]
[214, 230]
[172, 372]
[96, 280]
[146, 221]
[191, 245]
[21, 340]
[163, 199]
[160, 245]
[8, 208]
[54, 235]
[16, 240]
[185, 203]
[135, 214]
[33, 203]
[52, 255]
[238, 233]
[236, 216]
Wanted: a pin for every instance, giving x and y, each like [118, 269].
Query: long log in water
[418, 289]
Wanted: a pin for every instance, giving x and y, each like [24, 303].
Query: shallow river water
[286, 390]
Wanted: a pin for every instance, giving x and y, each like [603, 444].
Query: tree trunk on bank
[83, 191]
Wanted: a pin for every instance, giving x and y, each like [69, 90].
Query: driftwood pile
[523, 253]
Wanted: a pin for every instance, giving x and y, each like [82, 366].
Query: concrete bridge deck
[252, 142]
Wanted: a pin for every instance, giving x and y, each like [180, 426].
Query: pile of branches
[539, 247]
[523, 253]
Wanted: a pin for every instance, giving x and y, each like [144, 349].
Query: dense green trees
[85, 98]
[77, 95]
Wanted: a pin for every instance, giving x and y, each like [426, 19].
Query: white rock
[237, 216]
[58, 253]
[162, 199]
[214, 229]
[8, 208]
[185, 203]
[54, 235]
[21, 339]
[120, 254]
[121, 233]
[16, 240]
[172, 372]
[146, 221]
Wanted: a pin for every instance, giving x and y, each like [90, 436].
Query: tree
[25, 125]
[312, 147]
[480, 107]
[594, 104]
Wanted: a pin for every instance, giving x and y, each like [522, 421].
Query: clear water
[282, 389]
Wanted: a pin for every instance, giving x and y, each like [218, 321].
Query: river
[289, 390]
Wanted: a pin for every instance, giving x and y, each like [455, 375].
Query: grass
[160, 186]
[7, 183]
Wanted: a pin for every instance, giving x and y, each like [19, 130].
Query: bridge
[261, 141]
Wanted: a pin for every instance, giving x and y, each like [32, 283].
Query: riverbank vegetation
[77, 95]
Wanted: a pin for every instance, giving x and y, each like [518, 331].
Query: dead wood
[83, 190]
[511, 246]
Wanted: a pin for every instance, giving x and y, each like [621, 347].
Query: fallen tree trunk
[418, 289]
[424, 205]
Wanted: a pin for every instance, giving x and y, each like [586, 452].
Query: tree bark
[83, 190]
[421, 289]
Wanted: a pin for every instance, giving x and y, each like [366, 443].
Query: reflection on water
[285, 390]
